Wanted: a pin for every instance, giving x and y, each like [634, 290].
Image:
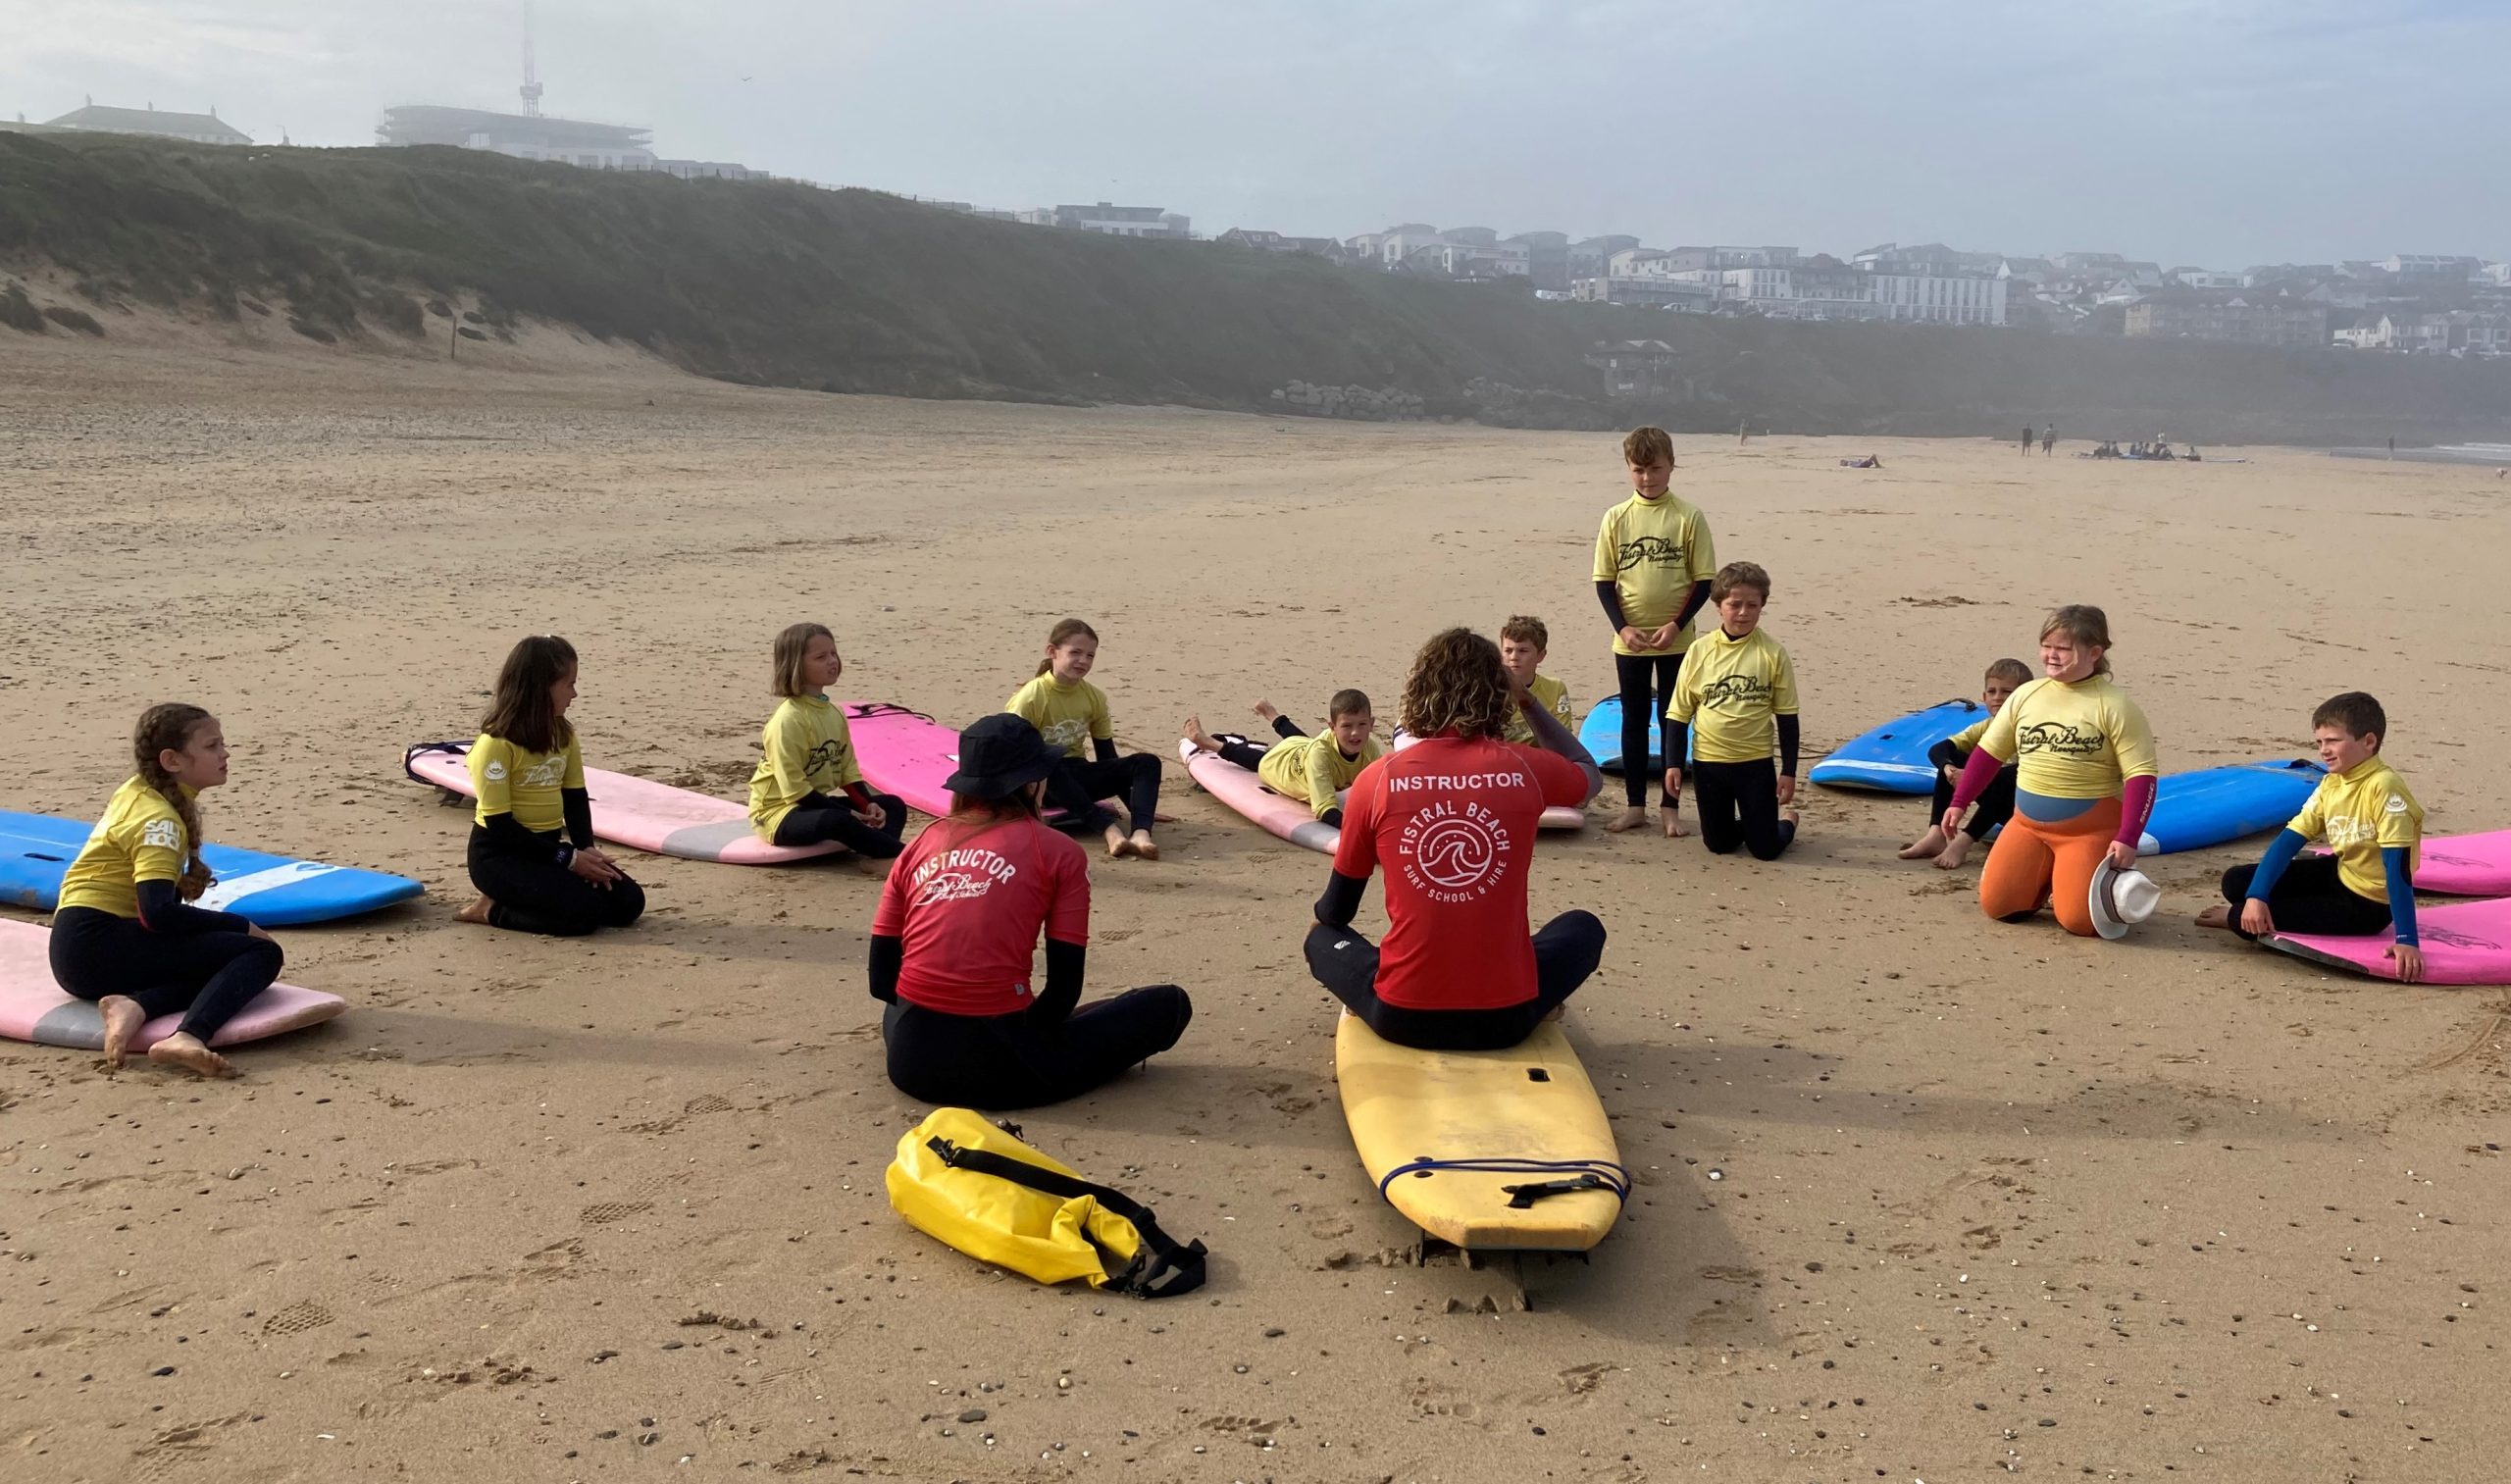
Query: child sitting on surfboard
[1738, 687]
[806, 759]
[2375, 830]
[1067, 711]
[127, 936]
[1314, 770]
[1524, 643]
[1654, 559]
[1950, 757]
[532, 852]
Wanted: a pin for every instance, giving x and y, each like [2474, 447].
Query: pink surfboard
[903, 752]
[909, 754]
[2466, 865]
[2464, 942]
[32, 1007]
[639, 812]
[1554, 816]
[1241, 789]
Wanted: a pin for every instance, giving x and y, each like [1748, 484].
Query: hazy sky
[2217, 132]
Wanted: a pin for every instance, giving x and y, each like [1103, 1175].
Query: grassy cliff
[860, 291]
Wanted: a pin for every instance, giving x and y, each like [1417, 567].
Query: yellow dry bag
[975, 1186]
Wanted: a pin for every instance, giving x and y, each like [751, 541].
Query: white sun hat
[2120, 900]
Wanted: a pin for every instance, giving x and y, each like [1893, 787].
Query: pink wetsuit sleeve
[1977, 774]
[2135, 808]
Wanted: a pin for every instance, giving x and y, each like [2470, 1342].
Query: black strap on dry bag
[1160, 1269]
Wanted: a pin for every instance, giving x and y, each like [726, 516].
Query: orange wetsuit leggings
[2036, 862]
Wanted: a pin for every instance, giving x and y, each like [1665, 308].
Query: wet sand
[1919, 1196]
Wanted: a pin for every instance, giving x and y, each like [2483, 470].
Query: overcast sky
[2213, 132]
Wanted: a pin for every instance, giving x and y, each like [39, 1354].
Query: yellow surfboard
[1486, 1151]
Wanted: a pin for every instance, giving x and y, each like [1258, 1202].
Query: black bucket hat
[998, 754]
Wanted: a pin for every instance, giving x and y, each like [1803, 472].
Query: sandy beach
[1919, 1196]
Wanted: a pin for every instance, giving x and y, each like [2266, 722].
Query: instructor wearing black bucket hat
[952, 939]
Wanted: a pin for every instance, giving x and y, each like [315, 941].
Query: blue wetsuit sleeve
[2271, 866]
[2401, 892]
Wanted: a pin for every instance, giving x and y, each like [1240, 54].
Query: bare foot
[2216, 916]
[123, 1019]
[1632, 818]
[1555, 1012]
[1193, 730]
[187, 1051]
[874, 866]
[1144, 846]
[477, 914]
[1930, 843]
[1266, 710]
[1118, 846]
[1955, 852]
[1673, 818]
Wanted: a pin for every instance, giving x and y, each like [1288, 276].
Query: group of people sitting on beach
[2063, 773]
[2153, 448]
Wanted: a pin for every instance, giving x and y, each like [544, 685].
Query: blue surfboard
[2208, 807]
[272, 890]
[1893, 756]
[1600, 735]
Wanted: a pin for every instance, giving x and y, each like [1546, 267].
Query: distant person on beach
[126, 933]
[2375, 832]
[2029, 437]
[1862, 461]
[807, 788]
[1313, 770]
[531, 855]
[952, 940]
[2085, 784]
[1654, 559]
[1067, 711]
[1453, 819]
[1950, 757]
[2049, 440]
[1738, 692]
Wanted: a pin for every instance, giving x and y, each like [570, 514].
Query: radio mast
[530, 80]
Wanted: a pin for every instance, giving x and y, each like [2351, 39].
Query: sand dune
[1921, 1196]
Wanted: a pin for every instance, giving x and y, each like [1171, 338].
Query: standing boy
[1654, 559]
[1739, 689]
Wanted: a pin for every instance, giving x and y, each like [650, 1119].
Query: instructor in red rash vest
[1453, 819]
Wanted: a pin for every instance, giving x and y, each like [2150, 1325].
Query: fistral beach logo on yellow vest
[2065, 739]
[1649, 550]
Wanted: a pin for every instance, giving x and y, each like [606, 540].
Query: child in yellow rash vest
[807, 788]
[1068, 711]
[126, 933]
[1738, 689]
[1524, 643]
[2375, 830]
[531, 855]
[1654, 559]
[1314, 770]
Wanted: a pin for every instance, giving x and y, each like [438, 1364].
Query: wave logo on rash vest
[1453, 851]
[1066, 734]
[824, 759]
[2065, 739]
[1648, 551]
[1734, 692]
[546, 773]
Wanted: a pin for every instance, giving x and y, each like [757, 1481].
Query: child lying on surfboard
[2375, 829]
[1314, 770]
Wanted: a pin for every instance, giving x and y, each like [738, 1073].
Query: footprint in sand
[602, 1213]
[297, 1319]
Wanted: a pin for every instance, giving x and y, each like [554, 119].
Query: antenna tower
[531, 79]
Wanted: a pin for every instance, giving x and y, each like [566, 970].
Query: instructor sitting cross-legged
[1453, 819]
